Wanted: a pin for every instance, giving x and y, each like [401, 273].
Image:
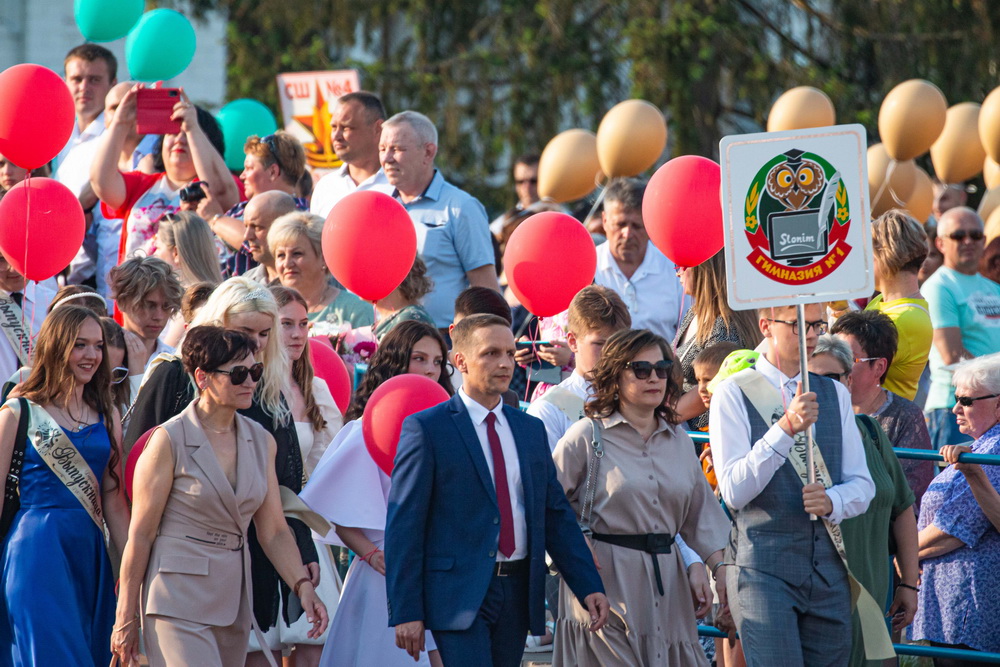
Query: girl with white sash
[348, 489]
[58, 601]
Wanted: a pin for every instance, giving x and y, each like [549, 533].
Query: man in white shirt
[356, 125]
[147, 293]
[90, 71]
[794, 601]
[631, 265]
[23, 307]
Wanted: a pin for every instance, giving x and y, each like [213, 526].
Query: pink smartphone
[154, 106]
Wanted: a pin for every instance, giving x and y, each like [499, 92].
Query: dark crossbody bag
[12, 492]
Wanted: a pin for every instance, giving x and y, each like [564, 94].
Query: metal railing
[902, 649]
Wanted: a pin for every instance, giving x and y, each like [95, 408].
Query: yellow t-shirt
[913, 324]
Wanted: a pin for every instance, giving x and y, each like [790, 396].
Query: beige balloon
[568, 168]
[911, 118]
[989, 124]
[801, 108]
[630, 138]
[992, 227]
[921, 201]
[902, 177]
[989, 203]
[991, 172]
[958, 153]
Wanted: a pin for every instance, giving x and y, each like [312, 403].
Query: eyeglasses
[642, 369]
[118, 374]
[523, 181]
[271, 142]
[960, 235]
[858, 360]
[238, 374]
[820, 326]
[834, 376]
[967, 401]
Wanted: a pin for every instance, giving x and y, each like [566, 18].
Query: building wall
[42, 31]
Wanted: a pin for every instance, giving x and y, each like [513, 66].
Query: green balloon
[160, 46]
[240, 119]
[106, 20]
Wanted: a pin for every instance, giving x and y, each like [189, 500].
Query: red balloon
[36, 117]
[549, 258]
[41, 227]
[369, 243]
[682, 209]
[133, 458]
[396, 399]
[328, 365]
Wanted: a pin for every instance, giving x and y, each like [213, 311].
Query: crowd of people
[163, 385]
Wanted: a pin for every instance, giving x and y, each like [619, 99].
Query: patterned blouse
[958, 601]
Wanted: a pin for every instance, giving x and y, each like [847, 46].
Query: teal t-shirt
[347, 308]
[971, 303]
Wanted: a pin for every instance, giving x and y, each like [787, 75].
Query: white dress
[312, 445]
[348, 489]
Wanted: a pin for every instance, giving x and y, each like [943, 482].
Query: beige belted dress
[196, 602]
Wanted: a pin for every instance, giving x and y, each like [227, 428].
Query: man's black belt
[507, 568]
[651, 543]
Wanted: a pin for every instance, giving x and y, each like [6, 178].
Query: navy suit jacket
[443, 522]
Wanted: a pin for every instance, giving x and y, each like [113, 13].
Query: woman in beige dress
[647, 488]
[203, 476]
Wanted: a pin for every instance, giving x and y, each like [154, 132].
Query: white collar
[478, 412]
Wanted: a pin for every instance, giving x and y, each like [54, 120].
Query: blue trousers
[496, 637]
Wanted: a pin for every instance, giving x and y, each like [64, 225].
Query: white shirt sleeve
[555, 420]
[856, 489]
[688, 555]
[743, 471]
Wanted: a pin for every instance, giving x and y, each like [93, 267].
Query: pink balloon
[369, 243]
[549, 258]
[41, 227]
[133, 459]
[396, 399]
[328, 365]
[36, 116]
[683, 211]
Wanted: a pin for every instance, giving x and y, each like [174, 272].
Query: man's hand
[815, 500]
[701, 590]
[313, 570]
[802, 412]
[597, 605]
[410, 637]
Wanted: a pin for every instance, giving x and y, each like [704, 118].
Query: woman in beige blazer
[200, 480]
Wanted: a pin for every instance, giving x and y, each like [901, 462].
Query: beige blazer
[189, 577]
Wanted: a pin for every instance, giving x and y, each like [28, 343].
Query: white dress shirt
[654, 296]
[34, 307]
[478, 414]
[743, 470]
[338, 184]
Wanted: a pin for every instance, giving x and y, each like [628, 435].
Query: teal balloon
[160, 46]
[106, 20]
[240, 119]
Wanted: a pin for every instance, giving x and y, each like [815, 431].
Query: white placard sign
[796, 216]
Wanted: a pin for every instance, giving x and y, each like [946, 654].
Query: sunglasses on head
[238, 374]
[967, 401]
[961, 234]
[272, 145]
[642, 369]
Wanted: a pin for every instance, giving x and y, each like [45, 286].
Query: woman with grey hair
[889, 521]
[959, 541]
[295, 240]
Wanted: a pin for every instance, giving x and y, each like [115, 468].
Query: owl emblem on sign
[795, 181]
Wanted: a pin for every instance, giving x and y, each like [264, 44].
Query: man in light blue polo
[453, 233]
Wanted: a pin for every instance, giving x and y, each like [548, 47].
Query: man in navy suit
[465, 556]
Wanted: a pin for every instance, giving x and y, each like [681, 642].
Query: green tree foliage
[501, 77]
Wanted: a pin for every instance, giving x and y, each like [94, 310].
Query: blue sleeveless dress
[58, 601]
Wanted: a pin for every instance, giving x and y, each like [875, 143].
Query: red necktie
[503, 491]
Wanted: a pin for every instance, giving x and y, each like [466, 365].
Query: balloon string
[777, 360]
[885, 183]
[27, 231]
[597, 204]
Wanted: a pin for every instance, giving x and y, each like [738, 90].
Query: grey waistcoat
[773, 533]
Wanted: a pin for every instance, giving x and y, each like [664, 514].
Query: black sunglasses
[238, 374]
[272, 145]
[961, 234]
[833, 376]
[967, 401]
[642, 369]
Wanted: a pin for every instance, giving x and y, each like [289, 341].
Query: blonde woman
[242, 305]
[184, 241]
